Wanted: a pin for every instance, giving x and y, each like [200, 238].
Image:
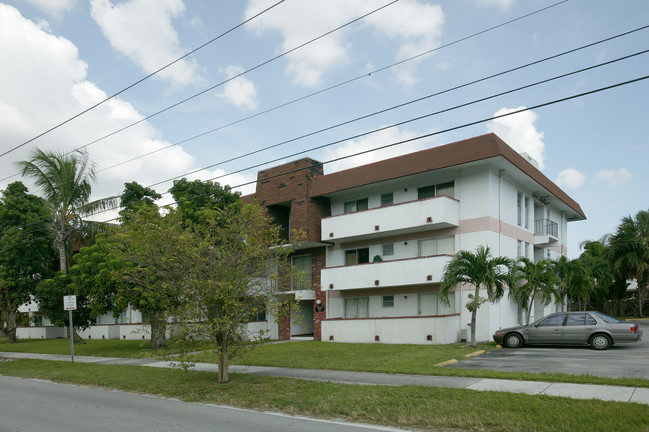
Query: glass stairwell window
[302, 266]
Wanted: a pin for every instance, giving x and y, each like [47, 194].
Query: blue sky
[60, 56]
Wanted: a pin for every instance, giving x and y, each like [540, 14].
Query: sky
[291, 73]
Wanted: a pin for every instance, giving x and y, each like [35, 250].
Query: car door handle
[589, 328]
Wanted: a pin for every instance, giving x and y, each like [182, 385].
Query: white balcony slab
[411, 271]
[414, 216]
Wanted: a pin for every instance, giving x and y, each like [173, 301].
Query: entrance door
[428, 304]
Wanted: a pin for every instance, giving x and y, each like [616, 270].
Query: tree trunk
[473, 343]
[60, 245]
[223, 363]
[76, 338]
[158, 329]
[11, 324]
[642, 284]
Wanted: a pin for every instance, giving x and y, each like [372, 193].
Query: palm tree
[64, 181]
[629, 252]
[480, 270]
[574, 281]
[535, 280]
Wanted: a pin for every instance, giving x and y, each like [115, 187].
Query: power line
[384, 68]
[393, 144]
[236, 76]
[365, 75]
[410, 120]
[405, 104]
[141, 79]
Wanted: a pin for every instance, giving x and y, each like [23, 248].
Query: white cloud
[570, 178]
[143, 31]
[370, 142]
[503, 4]
[519, 131]
[53, 7]
[415, 26]
[42, 82]
[613, 177]
[240, 91]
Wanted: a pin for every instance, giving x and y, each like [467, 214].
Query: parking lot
[623, 360]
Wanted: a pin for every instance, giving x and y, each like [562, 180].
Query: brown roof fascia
[448, 155]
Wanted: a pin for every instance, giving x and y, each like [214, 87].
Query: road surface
[32, 405]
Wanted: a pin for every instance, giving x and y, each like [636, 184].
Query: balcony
[404, 218]
[545, 231]
[410, 271]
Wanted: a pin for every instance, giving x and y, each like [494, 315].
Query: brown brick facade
[286, 192]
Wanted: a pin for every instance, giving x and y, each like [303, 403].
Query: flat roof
[458, 153]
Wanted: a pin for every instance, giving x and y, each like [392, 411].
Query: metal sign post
[70, 304]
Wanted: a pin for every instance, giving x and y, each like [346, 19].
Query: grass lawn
[407, 407]
[405, 359]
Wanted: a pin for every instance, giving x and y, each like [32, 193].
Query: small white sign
[70, 302]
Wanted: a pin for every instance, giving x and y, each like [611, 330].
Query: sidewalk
[575, 391]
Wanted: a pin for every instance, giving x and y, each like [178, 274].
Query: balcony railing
[401, 272]
[546, 227]
[413, 216]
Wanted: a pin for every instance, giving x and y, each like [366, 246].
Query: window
[527, 250]
[436, 190]
[37, 320]
[519, 212]
[354, 206]
[357, 256]
[302, 279]
[357, 307]
[519, 249]
[527, 212]
[580, 320]
[387, 199]
[437, 246]
[388, 249]
[553, 321]
[388, 301]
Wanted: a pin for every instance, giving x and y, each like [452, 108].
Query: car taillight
[634, 328]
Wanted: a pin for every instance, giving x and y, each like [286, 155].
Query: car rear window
[607, 318]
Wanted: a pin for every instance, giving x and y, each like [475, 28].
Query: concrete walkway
[575, 391]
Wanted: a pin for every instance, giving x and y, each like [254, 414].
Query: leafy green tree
[26, 254]
[535, 280]
[480, 270]
[152, 254]
[134, 196]
[235, 276]
[197, 199]
[629, 253]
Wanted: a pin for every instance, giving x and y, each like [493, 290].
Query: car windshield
[607, 318]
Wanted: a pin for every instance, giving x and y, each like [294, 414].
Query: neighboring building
[379, 235]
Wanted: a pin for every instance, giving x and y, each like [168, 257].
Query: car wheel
[513, 340]
[601, 342]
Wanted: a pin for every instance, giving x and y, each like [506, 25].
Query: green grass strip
[407, 407]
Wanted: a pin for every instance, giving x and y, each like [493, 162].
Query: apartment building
[377, 238]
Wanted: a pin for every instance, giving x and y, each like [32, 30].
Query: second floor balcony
[404, 218]
[402, 272]
[545, 231]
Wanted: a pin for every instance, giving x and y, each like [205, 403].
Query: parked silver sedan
[571, 328]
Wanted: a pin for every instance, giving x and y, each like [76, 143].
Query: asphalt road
[32, 405]
[623, 360]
